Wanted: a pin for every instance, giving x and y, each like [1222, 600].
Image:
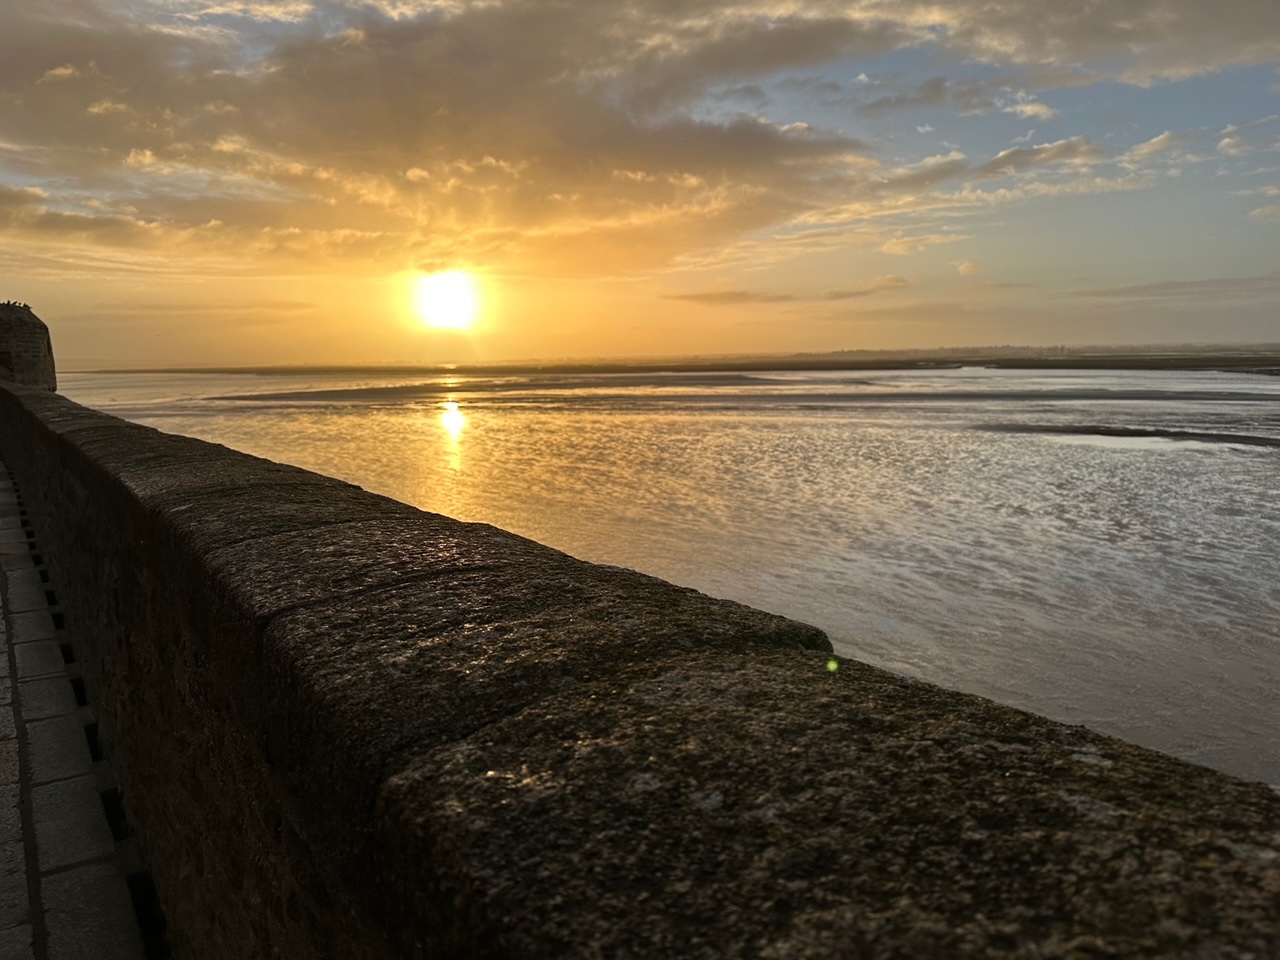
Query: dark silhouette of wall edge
[26, 352]
[348, 728]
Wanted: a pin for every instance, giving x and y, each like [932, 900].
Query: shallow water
[971, 527]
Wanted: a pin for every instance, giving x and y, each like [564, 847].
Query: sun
[446, 300]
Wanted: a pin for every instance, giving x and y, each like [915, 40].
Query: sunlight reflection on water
[1131, 584]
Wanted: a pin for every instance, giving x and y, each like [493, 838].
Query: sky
[213, 182]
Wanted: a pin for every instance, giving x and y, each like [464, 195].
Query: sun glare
[452, 419]
[446, 300]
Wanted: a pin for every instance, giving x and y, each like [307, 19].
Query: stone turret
[26, 353]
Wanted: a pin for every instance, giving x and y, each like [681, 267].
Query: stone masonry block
[25, 597]
[15, 943]
[14, 908]
[33, 625]
[9, 770]
[41, 699]
[16, 561]
[10, 812]
[57, 749]
[70, 825]
[89, 915]
[39, 659]
[25, 579]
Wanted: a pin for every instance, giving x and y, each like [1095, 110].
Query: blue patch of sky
[187, 183]
[1161, 232]
[1117, 115]
[1127, 114]
[19, 171]
[246, 39]
[1194, 224]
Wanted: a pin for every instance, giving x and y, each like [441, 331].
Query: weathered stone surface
[26, 354]
[892, 819]
[41, 699]
[69, 822]
[14, 907]
[89, 915]
[32, 625]
[57, 749]
[348, 728]
[25, 597]
[15, 943]
[38, 659]
[24, 580]
[10, 798]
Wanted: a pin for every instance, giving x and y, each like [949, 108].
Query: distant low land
[1260, 358]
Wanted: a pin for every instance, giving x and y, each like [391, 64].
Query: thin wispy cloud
[731, 298]
[1208, 288]
[1157, 146]
[1073, 151]
[212, 306]
[878, 285]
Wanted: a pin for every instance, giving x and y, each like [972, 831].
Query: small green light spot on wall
[833, 666]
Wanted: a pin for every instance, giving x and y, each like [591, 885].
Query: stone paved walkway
[63, 893]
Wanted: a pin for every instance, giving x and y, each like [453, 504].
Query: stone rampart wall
[25, 350]
[346, 728]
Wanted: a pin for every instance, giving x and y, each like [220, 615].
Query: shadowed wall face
[26, 353]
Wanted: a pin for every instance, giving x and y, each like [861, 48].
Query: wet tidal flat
[1096, 546]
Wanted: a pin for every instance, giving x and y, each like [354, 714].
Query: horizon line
[815, 359]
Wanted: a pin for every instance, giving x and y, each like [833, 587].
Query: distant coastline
[1259, 358]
